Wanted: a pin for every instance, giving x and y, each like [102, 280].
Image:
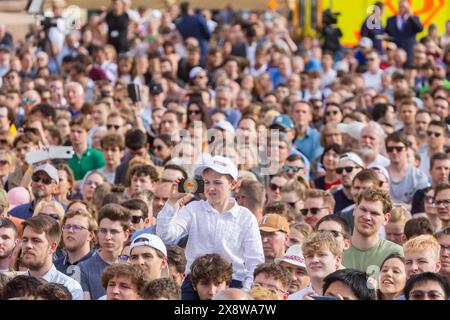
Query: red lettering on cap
[220, 163]
[295, 258]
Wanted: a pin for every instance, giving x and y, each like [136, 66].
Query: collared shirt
[233, 234]
[91, 159]
[309, 145]
[54, 276]
[63, 264]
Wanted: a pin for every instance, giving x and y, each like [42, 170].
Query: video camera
[36, 8]
[329, 17]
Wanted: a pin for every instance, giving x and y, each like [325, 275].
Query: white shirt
[380, 160]
[54, 276]
[233, 234]
[373, 80]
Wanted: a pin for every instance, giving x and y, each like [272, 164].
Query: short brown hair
[138, 274]
[367, 175]
[320, 241]
[44, 224]
[376, 194]
[328, 199]
[115, 212]
[211, 268]
[26, 138]
[53, 291]
[82, 122]
[112, 140]
[161, 288]
[143, 170]
[275, 271]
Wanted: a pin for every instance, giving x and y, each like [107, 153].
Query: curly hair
[161, 288]
[136, 273]
[275, 271]
[211, 268]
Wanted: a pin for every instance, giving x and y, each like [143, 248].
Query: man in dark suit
[192, 25]
[403, 28]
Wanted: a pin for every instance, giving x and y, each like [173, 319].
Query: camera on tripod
[329, 18]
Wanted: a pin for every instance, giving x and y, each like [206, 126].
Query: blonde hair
[399, 214]
[423, 242]
[53, 204]
[321, 241]
[263, 293]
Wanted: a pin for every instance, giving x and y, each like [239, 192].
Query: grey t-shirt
[403, 191]
[91, 269]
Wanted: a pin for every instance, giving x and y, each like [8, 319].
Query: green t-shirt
[90, 160]
[366, 261]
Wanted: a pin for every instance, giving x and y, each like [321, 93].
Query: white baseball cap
[195, 71]
[366, 42]
[294, 256]
[219, 164]
[149, 240]
[352, 157]
[353, 129]
[224, 125]
[49, 170]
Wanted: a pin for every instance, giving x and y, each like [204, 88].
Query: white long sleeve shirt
[233, 234]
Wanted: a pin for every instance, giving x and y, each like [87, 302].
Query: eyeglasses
[194, 112]
[44, 180]
[54, 216]
[4, 141]
[74, 227]
[111, 126]
[445, 202]
[443, 248]
[436, 134]
[136, 219]
[287, 168]
[159, 148]
[346, 169]
[123, 258]
[3, 163]
[313, 211]
[329, 113]
[396, 149]
[274, 187]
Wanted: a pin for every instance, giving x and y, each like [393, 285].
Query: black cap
[155, 88]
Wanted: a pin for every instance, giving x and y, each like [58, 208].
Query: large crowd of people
[219, 155]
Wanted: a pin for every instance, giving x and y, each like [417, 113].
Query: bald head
[232, 294]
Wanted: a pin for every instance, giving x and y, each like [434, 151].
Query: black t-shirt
[342, 201]
[117, 31]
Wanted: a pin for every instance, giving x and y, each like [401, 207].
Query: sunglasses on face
[287, 168]
[44, 180]
[313, 211]
[111, 126]
[274, 187]
[436, 134]
[194, 112]
[396, 149]
[159, 148]
[334, 113]
[346, 169]
[136, 219]
[4, 141]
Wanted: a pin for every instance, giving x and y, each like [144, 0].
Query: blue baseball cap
[284, 121]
